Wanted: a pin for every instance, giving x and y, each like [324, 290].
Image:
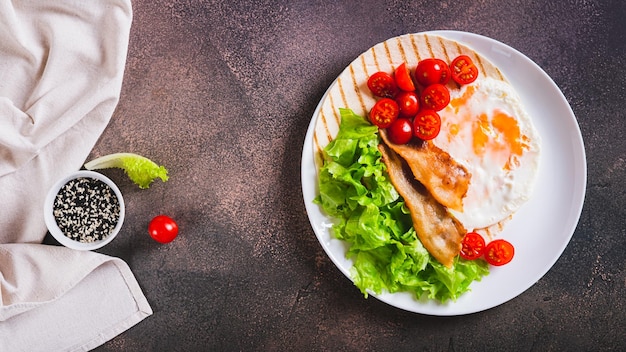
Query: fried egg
[486, 129]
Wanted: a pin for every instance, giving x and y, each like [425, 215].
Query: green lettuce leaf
[141, 170]
[373, 220]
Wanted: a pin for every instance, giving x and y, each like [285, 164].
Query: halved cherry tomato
[435, 97]
[400, 131]
[472, 246]
[382, 85]
[426, 125]
[384, 112]
[403, 78]
[163, 229]
[499, 252]
[409, 103]
[463, 70]
[430, 71]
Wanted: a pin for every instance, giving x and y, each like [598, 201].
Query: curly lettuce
[372, 218]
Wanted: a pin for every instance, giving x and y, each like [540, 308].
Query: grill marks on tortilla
[387, 52]
[356, 88]
[323, 117]
[430, 48]
[479, 62]
[415, 49]
[335, 114]
[401, 49]
[372, 51]
[367, 74]
[445, 52]
[343, 97]
[323, 133]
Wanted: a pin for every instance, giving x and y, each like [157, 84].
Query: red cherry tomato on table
[499, 252]
[400, 131]
[384, 112]
[435, 97]
[163, 229]
[463, 70]
[403, 78]
[382, 85]
[472, 246]
[426, 125]
[431, 71]
[409, 103]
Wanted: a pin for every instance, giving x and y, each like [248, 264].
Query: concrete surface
[221, 92]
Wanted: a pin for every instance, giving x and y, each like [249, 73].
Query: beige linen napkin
[61, 70]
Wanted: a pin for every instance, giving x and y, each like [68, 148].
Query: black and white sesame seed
[86, 209]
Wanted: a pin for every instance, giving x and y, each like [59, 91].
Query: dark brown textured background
[222, 92]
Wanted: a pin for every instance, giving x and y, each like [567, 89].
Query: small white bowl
[51, 223]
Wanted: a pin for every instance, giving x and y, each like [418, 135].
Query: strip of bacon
[439, 232]
[444, 177]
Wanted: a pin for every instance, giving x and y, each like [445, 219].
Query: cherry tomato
[400, 131]
[463, 70]
[435, 97]
[426, 125]
[473, 246]
[409, 103]
[403, 78]
[382, 85]
[431, 71]
[163, 229]
[384, 112]
[499, 252]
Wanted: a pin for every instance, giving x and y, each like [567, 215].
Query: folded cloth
[45, 309]
[61, 69]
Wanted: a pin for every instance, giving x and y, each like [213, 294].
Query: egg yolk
[494, 132]
[457, 103]
[510, 131]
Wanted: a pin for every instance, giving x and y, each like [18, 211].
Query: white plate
[540, 230]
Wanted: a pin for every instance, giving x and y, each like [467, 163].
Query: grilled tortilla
[439, 187]
[350, 89]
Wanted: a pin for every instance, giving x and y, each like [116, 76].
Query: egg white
[486, 129]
